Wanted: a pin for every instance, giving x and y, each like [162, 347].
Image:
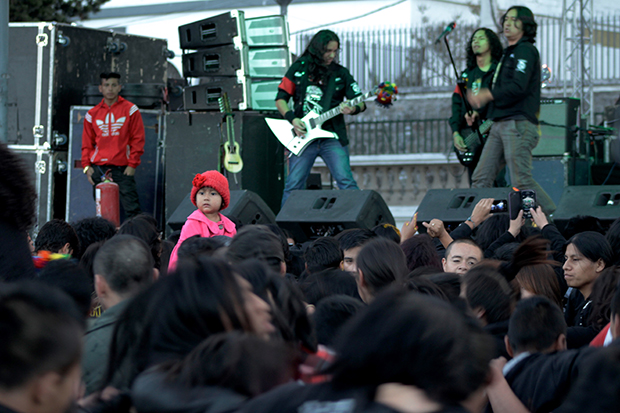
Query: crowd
[497, 315]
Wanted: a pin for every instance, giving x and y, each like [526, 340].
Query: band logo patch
[521, 65]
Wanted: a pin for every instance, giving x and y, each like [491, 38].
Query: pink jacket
[198, 224]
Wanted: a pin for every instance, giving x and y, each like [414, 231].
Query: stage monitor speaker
[192, 147]
[561, 138]
[310, 214]
[244, 93]
[602, 202]
[454, 206]
[246, 207]
[214, 31]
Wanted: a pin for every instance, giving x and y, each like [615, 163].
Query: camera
[522, 200]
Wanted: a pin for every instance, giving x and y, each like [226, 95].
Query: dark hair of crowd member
[532, 251]
[494, 44]
[491, 229]
[603, 291]
[449, 283]
[144, 227]
[91, 230]
[327, 283]
[279, 232]
[87, 260]
[196, 246]
[17, 194]
[331, 315]
[41, 330]
[541, 279]
[126, 264]
[70, 278]
[174, 315]
[420, 251]
[54, 235]
[526, 17]
[244, 363]
[593, 246]
[382, 263]
[535, 325]
[581, 223]
[323, 254]
[424, 286]
[388, 231]
[613, 237]
[315, 51]
[413, 339]
[286, 301]
[487, 290]
[597, 389]
[355, 237]
[256, 241]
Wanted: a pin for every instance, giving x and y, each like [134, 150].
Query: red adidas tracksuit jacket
[113, 135]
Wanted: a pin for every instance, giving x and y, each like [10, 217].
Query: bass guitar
[285, 132]
[232, 160]
[474, 142]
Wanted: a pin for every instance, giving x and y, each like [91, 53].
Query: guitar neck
[336, 111]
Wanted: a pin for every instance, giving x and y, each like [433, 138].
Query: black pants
[128, 192]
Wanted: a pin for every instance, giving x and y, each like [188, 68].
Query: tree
[52, 10]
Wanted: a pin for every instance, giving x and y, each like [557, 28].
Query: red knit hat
[215, 180]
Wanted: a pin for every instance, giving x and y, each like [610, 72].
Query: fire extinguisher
[106, 198]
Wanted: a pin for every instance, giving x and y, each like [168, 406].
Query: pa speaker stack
[246, 58]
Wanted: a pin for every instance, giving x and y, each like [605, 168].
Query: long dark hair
[315, 51]
[526, 17]
[496, 47]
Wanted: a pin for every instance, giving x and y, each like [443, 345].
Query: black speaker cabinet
[554, 173]
[213, 31]
[246, 207]
[602, 202]
[454, 206]
[227, 60]
[557, 118]
[192, 147]
[317, 213]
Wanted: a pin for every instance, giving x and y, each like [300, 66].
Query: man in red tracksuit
[113, 138]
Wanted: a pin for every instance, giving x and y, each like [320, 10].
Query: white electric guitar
[285, 132]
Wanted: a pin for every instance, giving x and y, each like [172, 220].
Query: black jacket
[516, 90]
[474, 80]
[152, 393]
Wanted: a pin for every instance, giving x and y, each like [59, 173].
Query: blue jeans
[510, 144]
[335, 156]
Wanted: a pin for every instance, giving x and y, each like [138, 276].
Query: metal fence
[400, 137]
[408, 56]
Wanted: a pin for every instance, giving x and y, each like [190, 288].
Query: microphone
[447, 30]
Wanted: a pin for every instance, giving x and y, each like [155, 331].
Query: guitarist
[316, 82]
[484, 51]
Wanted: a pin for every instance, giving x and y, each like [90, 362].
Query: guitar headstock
[224, 103]
[386, 93]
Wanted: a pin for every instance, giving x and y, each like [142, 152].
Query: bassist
[316, 82]
[484, 51]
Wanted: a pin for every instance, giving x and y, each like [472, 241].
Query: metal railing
[390, 137]
[408, 56]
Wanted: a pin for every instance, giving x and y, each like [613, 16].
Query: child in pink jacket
[210, 194]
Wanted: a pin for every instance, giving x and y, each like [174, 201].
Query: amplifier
[558, 117]
[237, 59]
[244, 93]
[222, 29]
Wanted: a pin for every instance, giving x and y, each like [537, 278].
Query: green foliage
[52, 10]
